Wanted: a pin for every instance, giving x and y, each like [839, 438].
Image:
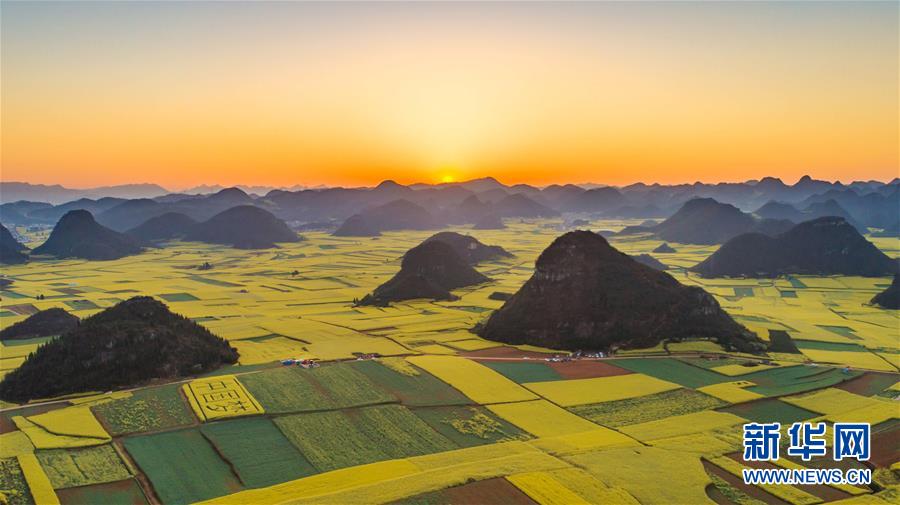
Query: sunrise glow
[283, 93]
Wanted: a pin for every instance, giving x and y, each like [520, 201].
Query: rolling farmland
[442, 414]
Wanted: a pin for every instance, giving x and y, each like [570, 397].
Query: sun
[447, 178]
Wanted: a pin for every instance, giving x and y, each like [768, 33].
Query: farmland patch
[469, 426]
[672, 370]
[476, 381]
[647, 408]
[220, 397]
[770, 410]
[12, 482]
[332, 440]
[411, 385]
[258, 451]
[123, 492]
[586, 369]
[145, 410]
[496, 490]
[600, 389]
[82, 466]
[523, 371]
[182, 466]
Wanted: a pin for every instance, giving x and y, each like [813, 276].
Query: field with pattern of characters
[441, 415]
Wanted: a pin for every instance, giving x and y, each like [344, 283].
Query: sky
[284, 93]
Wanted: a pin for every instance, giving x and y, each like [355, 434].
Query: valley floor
[441, 416]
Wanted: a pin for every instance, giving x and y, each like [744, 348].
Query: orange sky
[182, 94]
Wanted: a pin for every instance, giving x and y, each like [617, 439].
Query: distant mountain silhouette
[56, 194]
[874, 206]
[595, 201]
[556, 195]
[53, 214]
[130, 214]
[706, 221]
[519, 205]
[831, 207]
[664, 248]
[10, 248]
[43, 323]
[16, 213]
[584, 294]
[471, 210]
[243, 227]
[469, 248]
[823, 246]
[429, 270]
[650, 261]
[868, 203]
[779, 210]
[356, 226]
[77, 235]
[890, 297]
[168, 226]
[399, 215]
[489, 221]
[123, 346]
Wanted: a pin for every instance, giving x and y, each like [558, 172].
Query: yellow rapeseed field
[736, 369]
[63, 428]
[650, 474]
[865, 360]
[569, 393]
[393, 480]
[400, 365]
[542, 419]
[476, 381]
[38, 483]
[15, 443]
[697, 422]
[590, 488]
[585, 441]
[545, 490]
[220, 397]
[731, 392]
[837, 405]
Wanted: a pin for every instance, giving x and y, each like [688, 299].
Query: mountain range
[863, 203]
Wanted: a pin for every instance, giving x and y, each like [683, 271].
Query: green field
[12, 483]
[146, 410]
[285, 390]
[421, 389]
[523, 372]
[295, 389]
[183, 466]
[258, 451]
[332, 440]
[469, 426]
[672, 370]
[791, 380]
[647, 408]
[82, 466]
[770, 410]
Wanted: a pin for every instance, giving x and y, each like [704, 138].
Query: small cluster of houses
[558, 358]
[304, 363]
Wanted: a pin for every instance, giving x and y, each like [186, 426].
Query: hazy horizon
[175, 189]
